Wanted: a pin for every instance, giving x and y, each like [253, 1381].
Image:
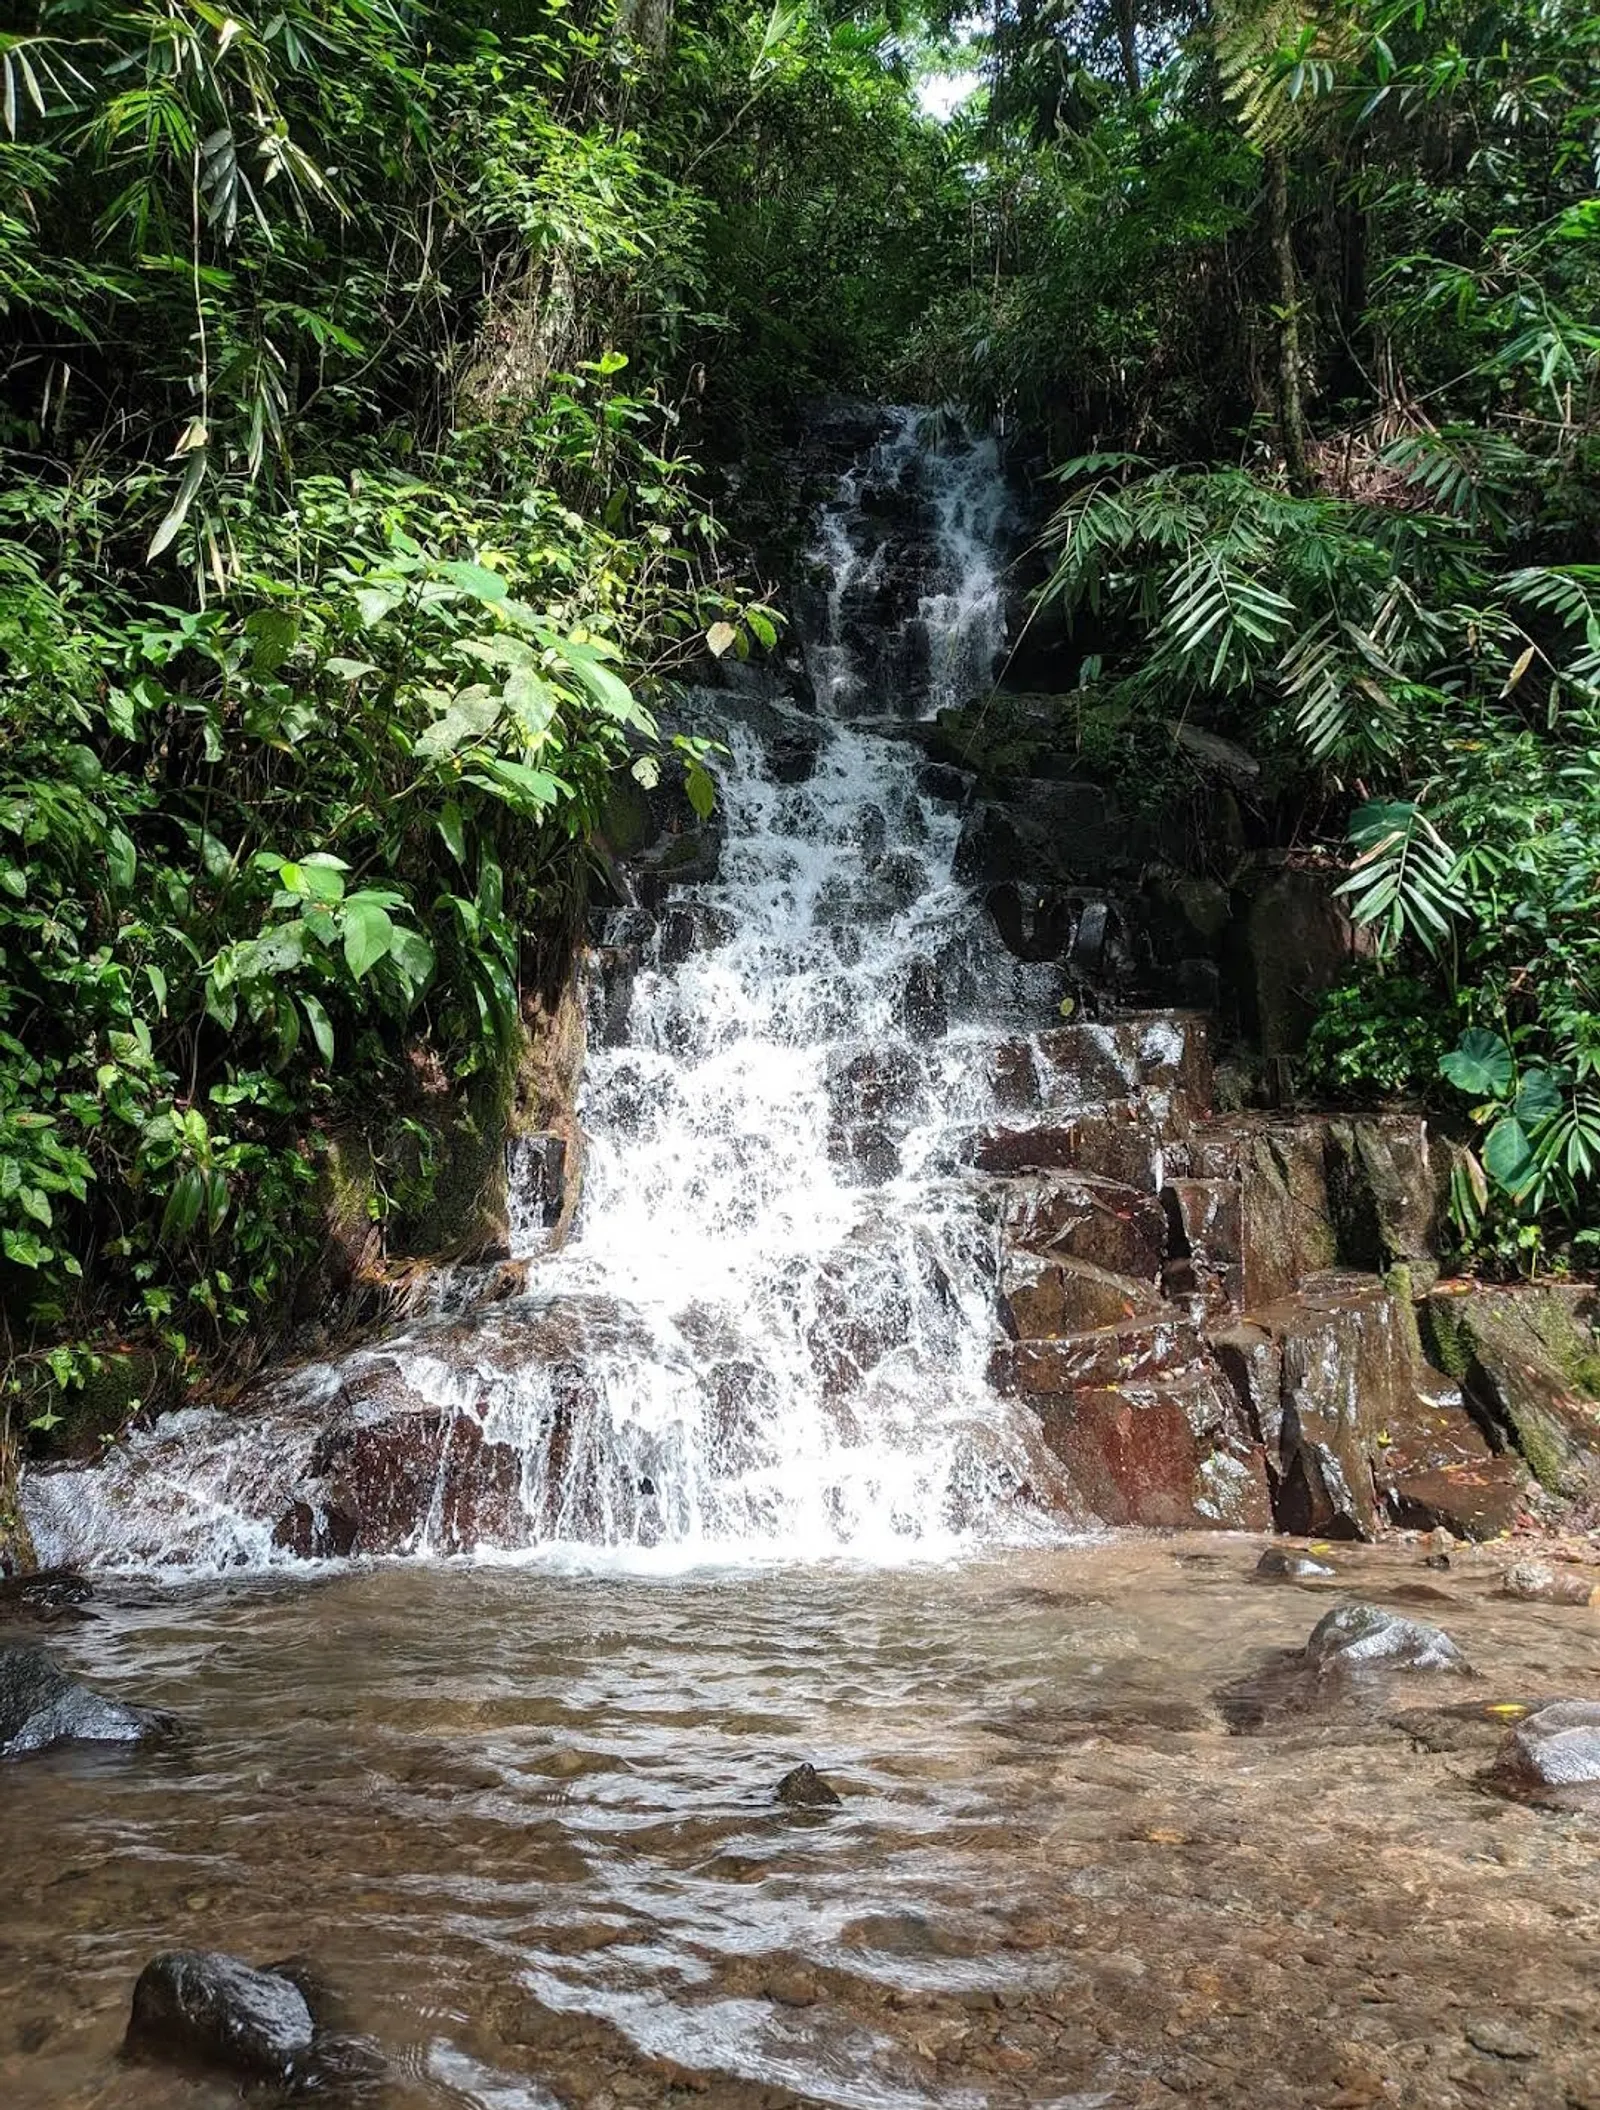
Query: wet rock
[1365, 1637]
[1104, 1221]
[1528, 1358]
[1148, 1431]
[280, 2023]
[1042, 1297]
[1204, 1219]
[1323, 1374]
[1285, 1229]
[1541, 1583]
[1032, 922]
[1112, 1143]
[1278, 1563]
[1162, 1343]
[45, 1597]
[943, 781]
[41, 1705]
[1557, 1746]
[804, 1788]
[1297, 941]
[1044, 832]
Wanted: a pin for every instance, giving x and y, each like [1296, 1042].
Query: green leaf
[368, 935]
[701, 787]
[475, 579]
[1508, 1156]
[184, 1203]
[451, 827]
[321, 1025]
[1480, 1065]
[469, 716]
[25, 1249]
[193, 476]
[1538, 1098]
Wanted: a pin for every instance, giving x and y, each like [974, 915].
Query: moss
[1448, 1341]
[457, 1200]
[1544, 1445]
[1398, 1281]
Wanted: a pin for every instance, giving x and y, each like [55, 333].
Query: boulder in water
[1540, 1583]
[1365, 1637]
[1278, 1563]
[203, 2006]
[41, 1705]
[1557, 1746]
[805, 1789]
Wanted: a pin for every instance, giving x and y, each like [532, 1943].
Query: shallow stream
[523, 1820]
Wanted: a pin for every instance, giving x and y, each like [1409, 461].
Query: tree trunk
[1127, 26]
[1291, 406]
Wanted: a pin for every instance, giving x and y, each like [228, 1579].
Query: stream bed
[522, 1818]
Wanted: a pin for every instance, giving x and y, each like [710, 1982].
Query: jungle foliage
[1299, 308]
[356, 355]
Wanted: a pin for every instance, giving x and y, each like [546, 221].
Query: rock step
[1043, 1298]
[1123, 1143]
[1078, 1215]
[1164, 1343]
[1328, 1380]
[1315, 1191]
[1167, 1452]
[1163, 1057]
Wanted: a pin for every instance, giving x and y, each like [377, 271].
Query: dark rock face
[210, 2009]
[805, 1789]
[1165, 1452]
[1556, 1747]
[1055, 832]
[41, 1705]
[45, 1597]
[1365, 1637]
[1078, 1215]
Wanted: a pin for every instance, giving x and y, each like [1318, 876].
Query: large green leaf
[1480, 1065]
[368, 935]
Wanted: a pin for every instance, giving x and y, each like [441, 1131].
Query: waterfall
[771, 1330]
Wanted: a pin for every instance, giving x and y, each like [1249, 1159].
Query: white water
[769, 1335]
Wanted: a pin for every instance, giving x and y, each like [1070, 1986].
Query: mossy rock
[1528, 1358]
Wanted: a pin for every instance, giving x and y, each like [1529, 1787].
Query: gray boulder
[41, 1705]
[1555, 1747]
[1365, 1637]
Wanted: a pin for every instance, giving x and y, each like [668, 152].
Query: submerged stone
[1541, 1583]
[42, 1705]
[805, 1789]
[1278, 1561]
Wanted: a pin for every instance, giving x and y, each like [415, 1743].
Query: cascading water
[770, 1333]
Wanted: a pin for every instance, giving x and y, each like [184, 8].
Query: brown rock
[1041, 1297]
[1165, 1452]
[1104, 1221]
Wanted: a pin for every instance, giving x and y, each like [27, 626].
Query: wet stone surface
[526, 1822]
